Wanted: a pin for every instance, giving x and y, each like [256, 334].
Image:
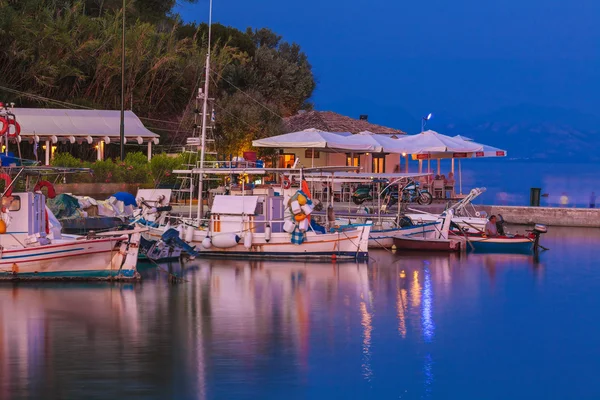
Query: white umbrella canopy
[313, 139]
[433, 142]
[379, 143]
[486, 151]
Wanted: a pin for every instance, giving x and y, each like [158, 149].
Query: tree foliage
[70, 50]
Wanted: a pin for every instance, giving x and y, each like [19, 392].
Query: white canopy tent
[78, 126]
[426, 143]
[486, 151]
[313, 139]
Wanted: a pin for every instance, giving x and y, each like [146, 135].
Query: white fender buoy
[179, 229]
[295, 206]
[225, 240]
[303, 225]
[206, 243]
[248, 240]
[267, 233]
[189, 233]
[307, 209]
[289, 226]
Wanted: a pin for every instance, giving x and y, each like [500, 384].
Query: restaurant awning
[313, 139]
[486, 151]
[99, 127]
[65, 125]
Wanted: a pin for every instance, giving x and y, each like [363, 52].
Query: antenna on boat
[204, 110]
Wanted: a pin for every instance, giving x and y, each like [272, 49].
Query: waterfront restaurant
[328, 121]
[44, 128]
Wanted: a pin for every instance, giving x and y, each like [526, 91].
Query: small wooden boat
[411, 243]
[437, 239]
[521, 244]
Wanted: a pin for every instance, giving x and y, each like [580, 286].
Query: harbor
[264, 200]
[403, 325]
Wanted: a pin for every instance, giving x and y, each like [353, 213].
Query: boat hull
[384, 238]
[347, 244]
[419, 244]
[86, 259]
[520, 245]
[469, 224]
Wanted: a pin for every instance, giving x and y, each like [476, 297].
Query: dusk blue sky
[458, 59]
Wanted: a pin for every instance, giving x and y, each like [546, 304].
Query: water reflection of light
[426, 311]
[415, 290]
[367, 328]
[402, 309]
[428, 373]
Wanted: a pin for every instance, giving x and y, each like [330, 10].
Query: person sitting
[491, 228]
[450, 180]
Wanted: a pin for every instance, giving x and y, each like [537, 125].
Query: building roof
[329, 121]
[65, 123]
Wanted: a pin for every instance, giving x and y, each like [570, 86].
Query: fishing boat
[465, 215]
[507, 243]
[437, 239]
[386, 225]
[29, 249]
[264, 224]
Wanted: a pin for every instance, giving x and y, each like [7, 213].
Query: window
[308, 154]
[350, 162]
[15, 204]
[378, 164]
[287, 160]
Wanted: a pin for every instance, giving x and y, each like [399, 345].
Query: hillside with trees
[65, 53]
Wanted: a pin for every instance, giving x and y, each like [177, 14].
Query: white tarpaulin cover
[45, 122]
[234, 205]
[313, 138]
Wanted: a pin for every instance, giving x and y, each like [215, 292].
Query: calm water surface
[402, 327]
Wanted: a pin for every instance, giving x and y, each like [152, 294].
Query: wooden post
[47, 152]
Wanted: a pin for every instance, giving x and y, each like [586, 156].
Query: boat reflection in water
[243, 329]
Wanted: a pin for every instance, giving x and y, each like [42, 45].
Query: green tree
[70, 50]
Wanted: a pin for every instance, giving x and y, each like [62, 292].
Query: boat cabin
[240, 213]
[27, 213]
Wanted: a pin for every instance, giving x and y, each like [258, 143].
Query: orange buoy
[299, 217]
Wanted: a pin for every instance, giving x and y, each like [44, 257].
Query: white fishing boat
[266, 225]
[29, 249]
[465, 214]
[439, 239]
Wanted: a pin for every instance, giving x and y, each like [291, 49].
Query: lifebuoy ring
[286, 183]
[17, 131]
[7, 184]
[4, 123]
[48, 185]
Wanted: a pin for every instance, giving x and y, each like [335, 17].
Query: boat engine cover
[540, 228]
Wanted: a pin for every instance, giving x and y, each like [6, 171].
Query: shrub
[66, 160]
[162, 166]
[106, 171]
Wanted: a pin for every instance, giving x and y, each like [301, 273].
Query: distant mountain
[534, 132]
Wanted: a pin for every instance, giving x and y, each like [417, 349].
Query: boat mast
[204, 110]
[122, 120]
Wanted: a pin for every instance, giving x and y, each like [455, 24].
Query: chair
[449, 188]
[337, 191]
[438, 188]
